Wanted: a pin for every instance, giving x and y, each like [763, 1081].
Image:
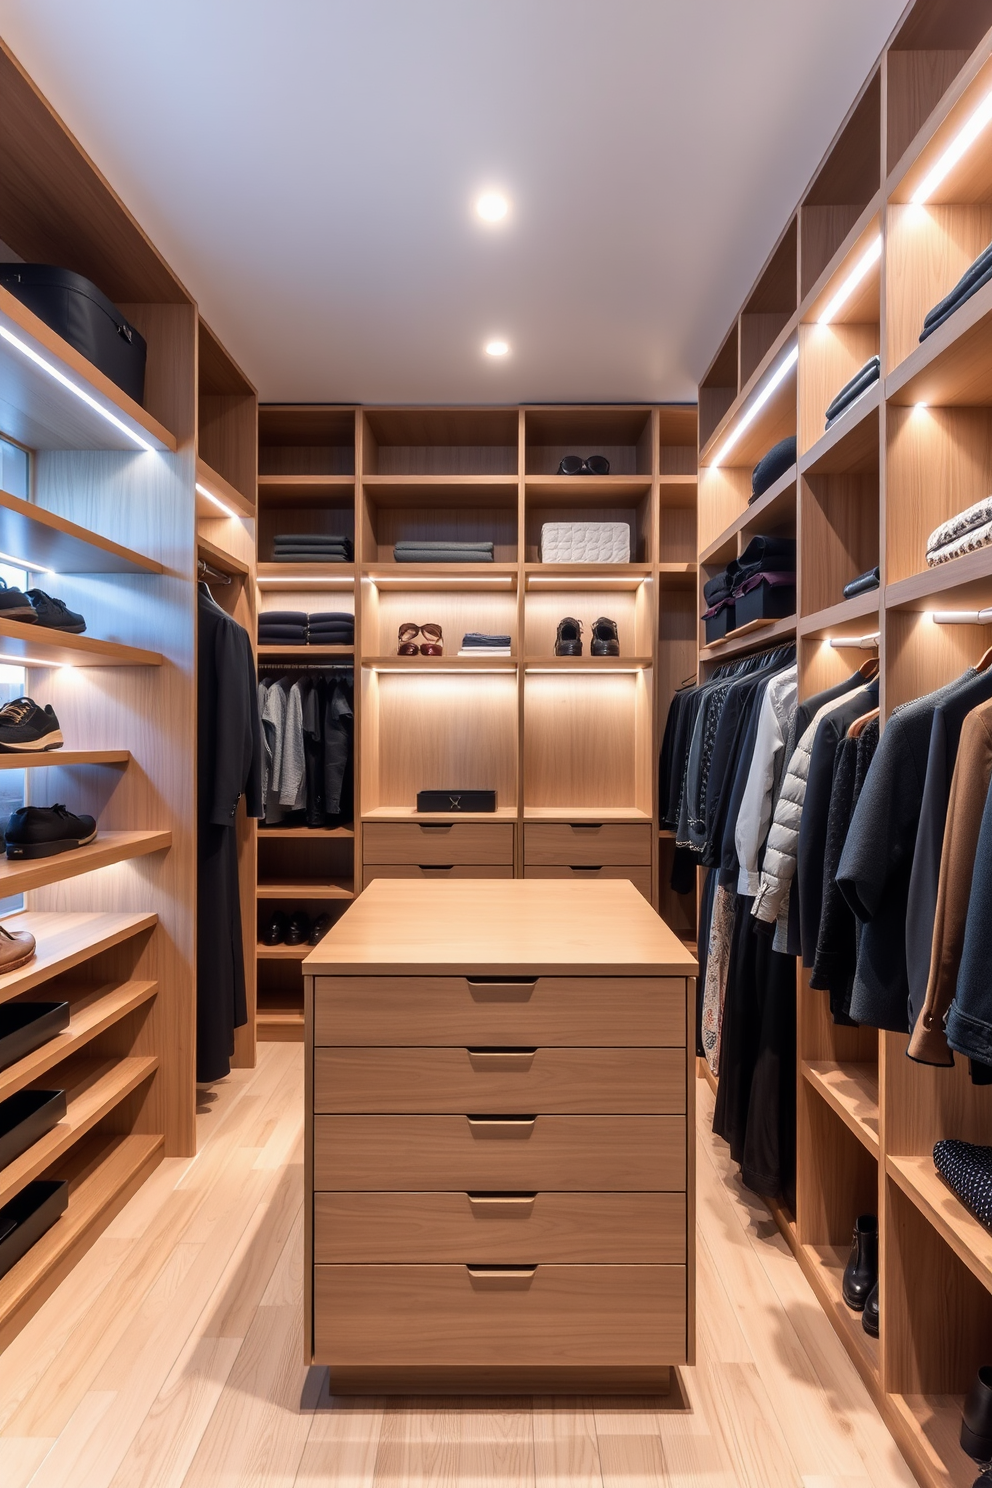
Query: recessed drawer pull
[586, 826]
[586, 867]
[502, 1200]
[503, 1274]
[519, 1127]
[436, 867]
[501, 989]
[435, 826]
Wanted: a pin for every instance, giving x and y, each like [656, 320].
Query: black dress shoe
[976, 1420]
[605, 638]
[43, 831]
[861, 1272]
[569, 640]
[319, 929]
[275, 931]
[299, 928]
[869, 1318]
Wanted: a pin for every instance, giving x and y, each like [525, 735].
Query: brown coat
[969, 787]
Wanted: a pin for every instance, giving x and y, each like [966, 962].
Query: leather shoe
[275, 931]
[16, 949]
[569, 638]
[299, 927]
[869, 1318]
[976, 1420]
[319, 929]
[861, 1272]
[605, 638]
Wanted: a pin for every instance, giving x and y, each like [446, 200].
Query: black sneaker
[319, 929]
[43, 831]
[55, 614]
[26, 728]
[15, 606]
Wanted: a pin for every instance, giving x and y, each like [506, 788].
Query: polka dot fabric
[967, 1171]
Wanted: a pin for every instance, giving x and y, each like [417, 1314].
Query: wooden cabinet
[499, 1177]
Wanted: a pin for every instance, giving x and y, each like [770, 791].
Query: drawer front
[395, 1316]
[507, 1082]
[436, 872]
[577, 1154]
[639, 877]
[427, 842]
[560, 844]
[570, 1011]
[436, 1228]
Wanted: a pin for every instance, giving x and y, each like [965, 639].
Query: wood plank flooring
[172, 1355]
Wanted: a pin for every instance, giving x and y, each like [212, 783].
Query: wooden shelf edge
[20, 876]
[750, 638]
[95, 1199]
[220, 557]
[861, 607]
[66, 940]
[826, 456]
[54, 526]
[304, 834]
[90, 1016]
[305, 482]
[209, 478]
[282, 952]
[970, 320]
[848, 1091]
[65, 757]
[299, 890]
[971, 1242]
[960, 573]
[823, 1271]
[36, 645]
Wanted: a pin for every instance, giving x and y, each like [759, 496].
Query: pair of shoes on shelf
[593, 465]
[296, 929]
[38, 608]
[44, 831]
[406, 640]
[860, 1285]
[605, 638]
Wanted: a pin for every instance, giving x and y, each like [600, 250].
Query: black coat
[229, 765]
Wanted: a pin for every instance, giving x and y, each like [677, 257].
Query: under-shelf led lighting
[317, 583]
[439, 581]
[434, 671]
[871, 256]
[961, 617]
[778, 376]
[962, 141]
[79, 392]
[228, 511]
[23, 563]
[855, 643]
[604, 671]
[633, 582]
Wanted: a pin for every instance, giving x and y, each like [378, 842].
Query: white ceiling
[308, 168]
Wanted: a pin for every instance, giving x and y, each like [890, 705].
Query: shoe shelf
[44, 540]
[282, 952]
[824, 1268]
[281, 1024]
[37, 646]
[588, 664]
[92, 1011]
[94, 1088]
[103, 1171]
[35, 761]
[604, 575]
[66, 940]
[928, 1429]
[923, 1186]
[442, 664]
[305, 889]
[852, 1091]
[18, 876]
[40, 411]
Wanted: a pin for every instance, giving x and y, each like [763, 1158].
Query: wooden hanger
[869, 669]
[985, 662]
[859, 724]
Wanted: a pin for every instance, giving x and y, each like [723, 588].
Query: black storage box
[455, 800]
[765, 602]
[25, 1118]
[719, 624]
[82, 315]
[26, 1218]
[25, 1026]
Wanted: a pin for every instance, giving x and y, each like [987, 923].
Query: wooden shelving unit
[563, 740]
[867, 492]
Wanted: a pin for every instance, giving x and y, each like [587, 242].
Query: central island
[499, 1154]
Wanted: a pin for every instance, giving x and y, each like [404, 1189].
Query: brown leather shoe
[16, 949]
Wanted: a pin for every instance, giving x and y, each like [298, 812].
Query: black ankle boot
[861, 1272]
[869, 1318]
[976, 1420]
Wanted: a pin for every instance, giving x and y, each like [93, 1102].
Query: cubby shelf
[44, 540]
[851, 444]
[776, 418]
[18, 876]
[751, 637]
[774, 508]
[585, 814]
[94, 1087]
[952, 365]
[336, 575]
[851, 1090]
[824, 1267]
[35, 645]
[66, 940]
[969, 1239]
[929, 1429]
[40, 411]
[410, 813]
[224, 493]
[440, 664]
[304, 889]
[587, 490]
[103, 1173]
[839, 619]
[625, 574]
[302, 653]
[219, 557]
[410, 490]
[92, 1011]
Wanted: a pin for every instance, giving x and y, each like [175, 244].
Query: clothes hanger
[869, 669]
[860, 724]
[983, 664]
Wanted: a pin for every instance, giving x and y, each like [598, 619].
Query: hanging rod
[857, 643]
[961, 617]
[210, 574]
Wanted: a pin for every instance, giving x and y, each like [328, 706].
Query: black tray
[25, 1118]
[35, 1210]
[25, 1026]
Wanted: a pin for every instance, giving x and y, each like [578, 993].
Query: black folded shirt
[771, 465]
[851, 391]
[979, 273]
[861, 585]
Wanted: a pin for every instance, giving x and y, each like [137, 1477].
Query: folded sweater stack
[476, 643]
[970, 283]
[312, 547]
[765, 560]
[423, 551]
[296, 628]
[331, 628]
[969, 530]
[859, 384]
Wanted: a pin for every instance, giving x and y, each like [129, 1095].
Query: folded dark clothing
[973, 276]
[282, 617]
[321, 640]
[324, 627]
[859, 383]
[302, 539]
[313, 552]
[766, 552]
[721, 604]
[440, 547]
[476, 638]
[311, 555]
[861, 585]
[332, 617]
[292, 638]
[721, 586]
[315, 633]
[773, 579]
[773, 464]
[958, 302]
[437, 555]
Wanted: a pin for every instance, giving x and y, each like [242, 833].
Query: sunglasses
[407, 638]
[575, 465]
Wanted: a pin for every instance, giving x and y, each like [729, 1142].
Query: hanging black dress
[229, 765]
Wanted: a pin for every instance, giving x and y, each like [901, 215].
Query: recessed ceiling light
[492, 207]
[496, 348]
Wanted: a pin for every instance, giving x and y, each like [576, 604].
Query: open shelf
[92, 1011]
[623, 575]
[304, 490]
[824, 1268]
[457, 490]
[44, 540]
[587, 663]
[841, 619]
[967, 579]
[922, 1184]
[772, 513]
[329, 575]
[852, 1091]
[40, 411]
[952, 365]
[281, 1025]
[439, 665]
[302, 653]
[304, 834]
[304, 889]
[587, 490]
[928, 1427]
[447, 575]
[282, 952]
[50, 757]
[226, 495]
[36, 645]
[103, 1172]
[775, 420]
[17, 876]
[219, 557]
[94, 1087]
[851, 444]
[66, 940]
[751, 637]
[585, 814]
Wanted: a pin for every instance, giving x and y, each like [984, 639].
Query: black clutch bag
[455, 800]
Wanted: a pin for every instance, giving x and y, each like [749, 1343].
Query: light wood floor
[171, 1357]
